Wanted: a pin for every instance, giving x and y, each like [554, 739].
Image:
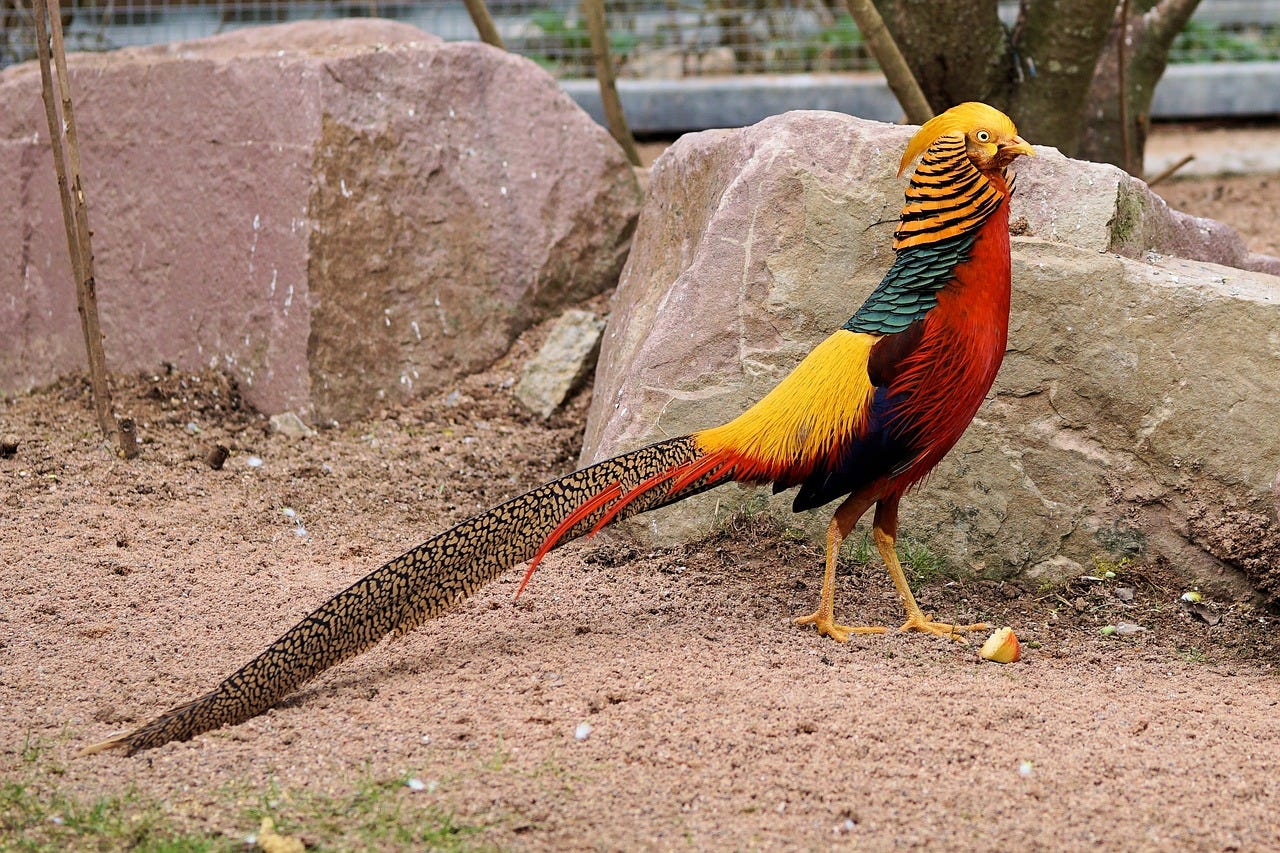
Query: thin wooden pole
[1168, 173]
[1122, 84]
[593, 11]
[75, 216]
[896, 71]
[484, 23]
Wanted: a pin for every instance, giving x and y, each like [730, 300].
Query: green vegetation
[1193, 654]
[36, 814]
[864, 550]
[918, 560]
[925, 565]
[33, 818]
[838, 47]
[564, 46]
[1109, 569]
[1205, 42]
[380, 813]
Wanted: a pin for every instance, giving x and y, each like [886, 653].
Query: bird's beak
[1018, 146]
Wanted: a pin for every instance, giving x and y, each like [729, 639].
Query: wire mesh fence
[649, 38]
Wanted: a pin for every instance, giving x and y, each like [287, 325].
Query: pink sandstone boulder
[333, 211]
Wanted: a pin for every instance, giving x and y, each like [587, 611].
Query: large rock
[1136, 405]
[335, 211]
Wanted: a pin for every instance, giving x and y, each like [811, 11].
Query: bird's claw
[827, 627]
[926, 625]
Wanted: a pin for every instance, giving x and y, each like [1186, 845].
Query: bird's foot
[827, 627]
[926, 625]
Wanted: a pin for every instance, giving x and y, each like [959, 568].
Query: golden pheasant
[868, 413]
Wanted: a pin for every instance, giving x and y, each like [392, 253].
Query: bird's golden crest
[984, 128]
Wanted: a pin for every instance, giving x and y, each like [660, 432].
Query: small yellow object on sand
[1002, 646]
[273, 842]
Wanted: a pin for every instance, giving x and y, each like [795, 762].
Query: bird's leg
[824, 617]
[885, 532]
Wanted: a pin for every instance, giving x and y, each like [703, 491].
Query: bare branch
[484, 23]
[896, 71]
[1166, 19]
[1168, 172]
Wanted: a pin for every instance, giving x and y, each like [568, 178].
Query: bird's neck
[982, 281]
[962, 234]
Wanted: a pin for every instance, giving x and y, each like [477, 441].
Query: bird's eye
[983, 136]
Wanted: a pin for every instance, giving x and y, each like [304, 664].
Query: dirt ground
[632, 699]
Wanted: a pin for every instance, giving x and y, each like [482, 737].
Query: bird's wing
[909, 290]
[894, 316]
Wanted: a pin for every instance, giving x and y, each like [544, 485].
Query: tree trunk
[1057, 73]
[1056, 45]
[957, 49]
[1152, 27]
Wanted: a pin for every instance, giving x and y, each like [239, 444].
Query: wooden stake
[75, 215]
[1167, 173]
[1123, 87]
[593, 11]
[896, 71]
[484, 23]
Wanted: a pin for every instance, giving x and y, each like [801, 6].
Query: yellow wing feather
[814, 410]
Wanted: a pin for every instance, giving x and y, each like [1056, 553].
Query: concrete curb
[1227, 89]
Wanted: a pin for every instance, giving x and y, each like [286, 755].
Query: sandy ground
[711, 721]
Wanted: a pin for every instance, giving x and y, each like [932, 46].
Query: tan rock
[290, 425]
[565, 359]
[1134, 394]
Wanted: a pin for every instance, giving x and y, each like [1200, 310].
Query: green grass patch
[862, 551]
[925, 565]
[37, 814]
[32, 819]
[378, 814]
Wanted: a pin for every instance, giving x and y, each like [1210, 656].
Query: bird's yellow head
[991, 140]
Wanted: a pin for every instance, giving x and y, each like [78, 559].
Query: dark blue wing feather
[884, 449]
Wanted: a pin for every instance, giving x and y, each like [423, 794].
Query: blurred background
[651, 39]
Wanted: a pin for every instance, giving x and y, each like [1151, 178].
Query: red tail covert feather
[614, 501]
[643, 486]
[696, 470]
[609, 493]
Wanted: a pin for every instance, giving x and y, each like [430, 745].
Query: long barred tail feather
[435, 576]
